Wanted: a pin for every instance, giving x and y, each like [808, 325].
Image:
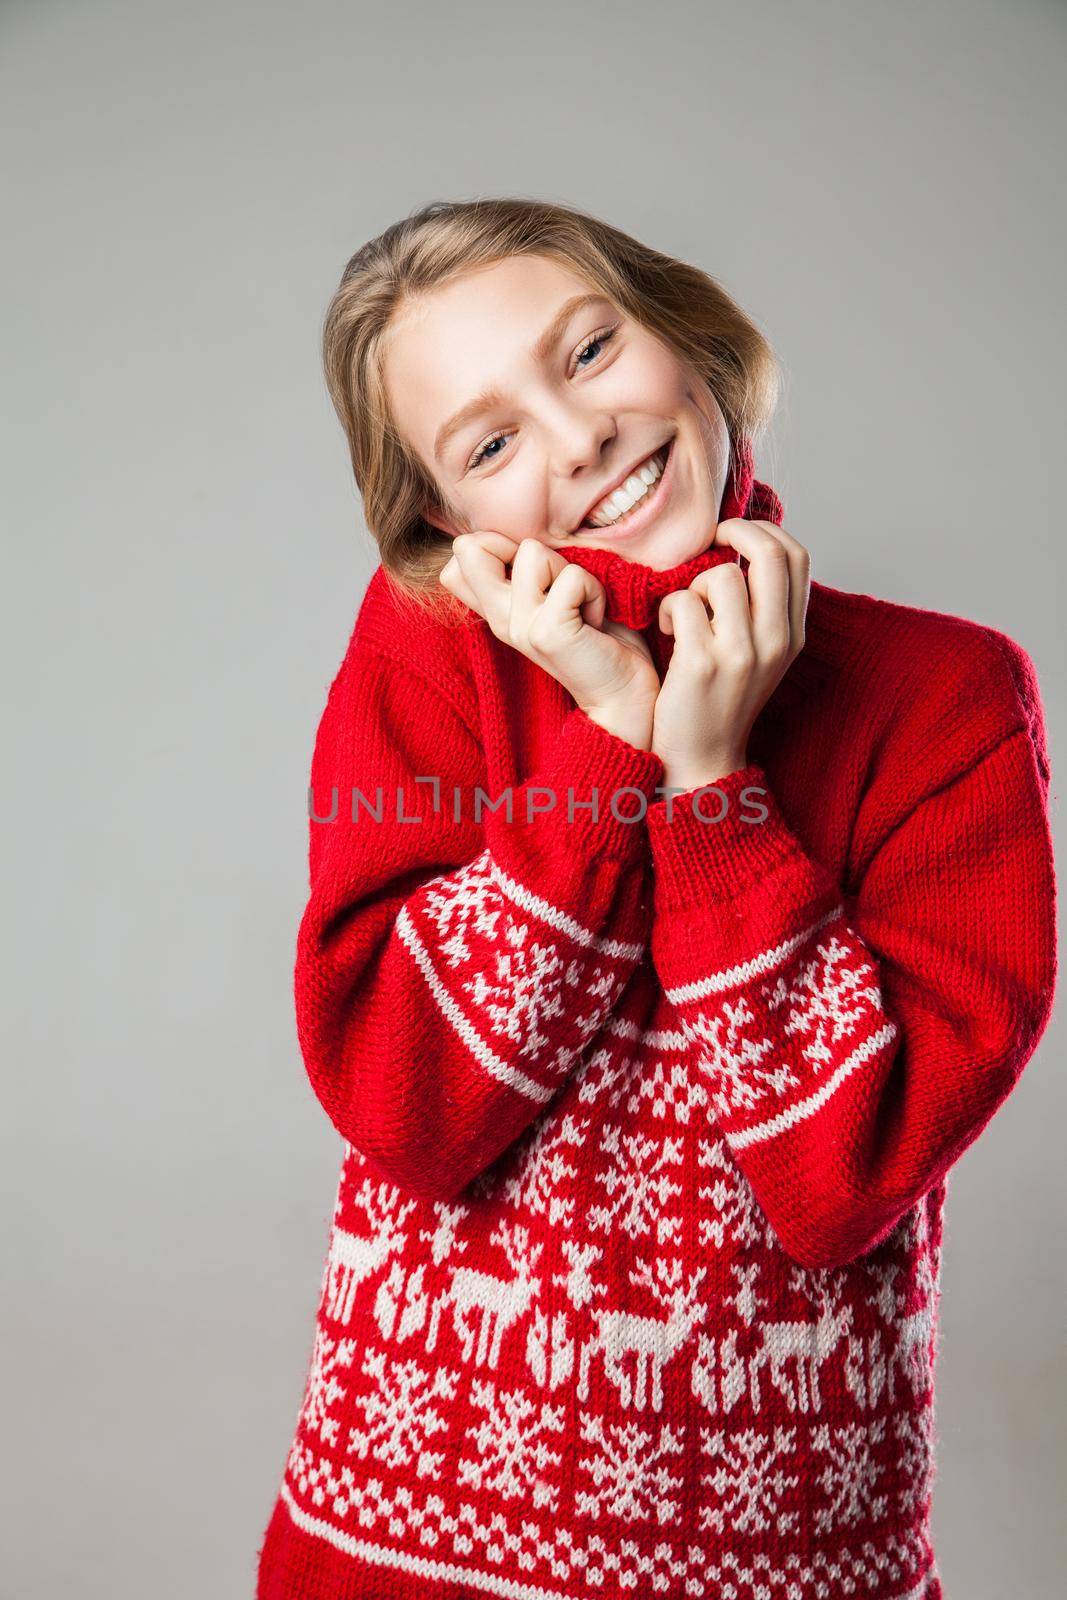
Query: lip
[645, 510]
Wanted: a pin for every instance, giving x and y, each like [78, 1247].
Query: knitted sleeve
[450, 971]
[855, 1044]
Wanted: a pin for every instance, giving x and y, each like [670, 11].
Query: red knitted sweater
[632, 1277]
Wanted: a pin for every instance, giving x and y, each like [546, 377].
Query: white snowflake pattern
[323, 1386]
[525, 990]
[750, 1482]
[848, 1480]
[639, 1185]
[915, 1435]
[666, 1084]
[629, 1471]
[729, 1208]
[731, 1050]
[534, 983]
[828, 999]
[653, 1078]
[544, 1180]
[606, 1072]
[510, 1450]
[403, 1414]
[461, 903]
[526, 975]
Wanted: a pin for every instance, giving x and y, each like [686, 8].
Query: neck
[634, 590]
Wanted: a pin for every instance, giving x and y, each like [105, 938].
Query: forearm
[854, 1048]
[436, 1023]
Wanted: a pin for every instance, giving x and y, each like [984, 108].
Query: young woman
[675, 923]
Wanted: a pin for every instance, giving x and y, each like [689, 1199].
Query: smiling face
[526, 411]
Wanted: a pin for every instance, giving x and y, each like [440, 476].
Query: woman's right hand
[552, 610]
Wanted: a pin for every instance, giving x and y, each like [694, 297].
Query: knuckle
[740, 657]
[539, 634]
[702, 660]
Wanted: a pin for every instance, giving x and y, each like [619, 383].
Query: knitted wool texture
[633, 1270]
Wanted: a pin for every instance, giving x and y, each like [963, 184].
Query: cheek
[512, 502]
[665, 383]
[715, 436]
[656, 387]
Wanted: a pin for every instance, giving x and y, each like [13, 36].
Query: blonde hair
[686, 307]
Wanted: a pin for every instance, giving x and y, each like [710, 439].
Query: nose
[580, 442]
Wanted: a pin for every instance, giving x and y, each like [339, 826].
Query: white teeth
[626, 496]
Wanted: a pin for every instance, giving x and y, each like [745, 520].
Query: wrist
[712, 771]
[624, 724]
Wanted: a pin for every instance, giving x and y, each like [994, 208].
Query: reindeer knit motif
[632, 1276]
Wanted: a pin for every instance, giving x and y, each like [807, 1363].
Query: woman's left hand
[724, 668]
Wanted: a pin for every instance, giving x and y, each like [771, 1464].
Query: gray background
[880, 185]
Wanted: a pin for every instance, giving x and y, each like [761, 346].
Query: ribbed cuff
[596, 766]
[696, 858]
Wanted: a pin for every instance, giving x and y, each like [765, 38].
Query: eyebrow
[542, 349]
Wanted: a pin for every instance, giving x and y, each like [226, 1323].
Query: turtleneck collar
[634, 591]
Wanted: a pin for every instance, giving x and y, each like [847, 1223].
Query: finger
[769, 578]
[576, 592]
[799, 560]
[684, 615]
[483, 558]
[453, 582]
[725, 592]
[532, 573]
[799, 579]
[669, 602]
[501, 544]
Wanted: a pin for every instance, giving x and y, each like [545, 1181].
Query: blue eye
[602, 337]
[482, 453]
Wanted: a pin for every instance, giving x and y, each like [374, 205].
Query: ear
[438, 519]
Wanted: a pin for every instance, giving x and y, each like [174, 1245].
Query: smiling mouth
[650, 491]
